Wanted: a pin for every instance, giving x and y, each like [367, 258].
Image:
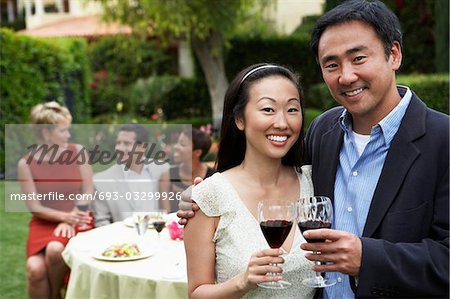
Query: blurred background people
[188, 155]
[54, 221]
[139, 183]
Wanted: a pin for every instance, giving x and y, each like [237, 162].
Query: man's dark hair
[374, 13]
[139, 130]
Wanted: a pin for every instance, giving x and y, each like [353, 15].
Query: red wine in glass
[159, 225]
[313, 224]
[276, 231]
[315, 212]
[276, 218]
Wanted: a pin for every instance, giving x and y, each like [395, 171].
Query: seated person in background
[52, 223]
[188, 154]
[132, 141]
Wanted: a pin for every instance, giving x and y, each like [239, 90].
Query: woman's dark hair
[200, 140]
[375, 13]
[232, 143]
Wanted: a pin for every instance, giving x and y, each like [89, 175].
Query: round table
[162, 275]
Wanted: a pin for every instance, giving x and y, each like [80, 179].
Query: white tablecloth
[162, 275]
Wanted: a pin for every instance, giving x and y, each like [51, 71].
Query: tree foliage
[207, 24]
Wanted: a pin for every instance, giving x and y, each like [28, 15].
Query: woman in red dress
[54, 221]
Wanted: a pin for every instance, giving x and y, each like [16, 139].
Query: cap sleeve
[215, 200]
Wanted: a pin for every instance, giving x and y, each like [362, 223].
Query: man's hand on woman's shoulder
[187, 206]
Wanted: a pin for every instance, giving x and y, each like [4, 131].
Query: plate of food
[123, 252]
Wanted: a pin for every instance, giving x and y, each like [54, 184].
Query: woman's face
[183, 149]
[59, 134]
[272, 117]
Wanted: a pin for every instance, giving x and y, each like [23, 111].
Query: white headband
[257, 69]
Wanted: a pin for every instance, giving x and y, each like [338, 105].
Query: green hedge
[433, 89]
[292, 51]
[119, 61]
[177, 97]
[40, 70]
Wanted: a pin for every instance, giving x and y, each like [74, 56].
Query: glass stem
[318, 274]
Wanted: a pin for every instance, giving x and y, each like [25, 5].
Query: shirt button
[354, 173]
[349, 209]
[339, 279]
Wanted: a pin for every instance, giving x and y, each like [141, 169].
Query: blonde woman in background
[53, 223]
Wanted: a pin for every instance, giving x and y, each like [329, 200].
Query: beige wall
[76, 8]
[286, 15]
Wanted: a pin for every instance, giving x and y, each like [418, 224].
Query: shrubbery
[40, 70]
[293, 52]
[177, 97]
[117, 62]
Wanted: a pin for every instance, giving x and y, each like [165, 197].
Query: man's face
[357, 72]
[125, 143]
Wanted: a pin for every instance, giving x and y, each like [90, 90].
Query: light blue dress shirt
[356, 180]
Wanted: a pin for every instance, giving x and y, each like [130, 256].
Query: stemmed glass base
[318, 281]
[277, 285]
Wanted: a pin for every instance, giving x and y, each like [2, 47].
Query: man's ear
[240, 124]
[396, 55]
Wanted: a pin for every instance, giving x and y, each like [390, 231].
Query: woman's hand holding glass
[77, 217]
[276, 218]
[261, 263]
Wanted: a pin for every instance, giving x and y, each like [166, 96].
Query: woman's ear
[197, 153]
[45, 133]
[240, 124]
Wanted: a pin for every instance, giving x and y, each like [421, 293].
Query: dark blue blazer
[405, 242]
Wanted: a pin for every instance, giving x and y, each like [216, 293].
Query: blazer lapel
[399, 159]
[330, 146]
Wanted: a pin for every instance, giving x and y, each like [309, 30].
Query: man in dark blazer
[383, 159]
[390, 235]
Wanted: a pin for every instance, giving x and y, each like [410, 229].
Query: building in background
[287, 15]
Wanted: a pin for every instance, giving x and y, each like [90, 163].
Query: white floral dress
[239, 235]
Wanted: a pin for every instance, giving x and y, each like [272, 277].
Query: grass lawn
[13, 238]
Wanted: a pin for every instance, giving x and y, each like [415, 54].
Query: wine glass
[159, 221]
[141, 220]
[313, 213]
[276, 218]
[83, 206]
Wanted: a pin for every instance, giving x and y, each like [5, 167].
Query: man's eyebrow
[355, 49]
[328, 58]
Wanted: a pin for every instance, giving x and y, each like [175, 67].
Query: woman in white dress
[259, 158]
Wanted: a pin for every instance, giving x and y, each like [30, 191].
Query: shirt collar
[390, 123]
[129, 172]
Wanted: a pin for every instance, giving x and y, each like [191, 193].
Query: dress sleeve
[215, 200]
